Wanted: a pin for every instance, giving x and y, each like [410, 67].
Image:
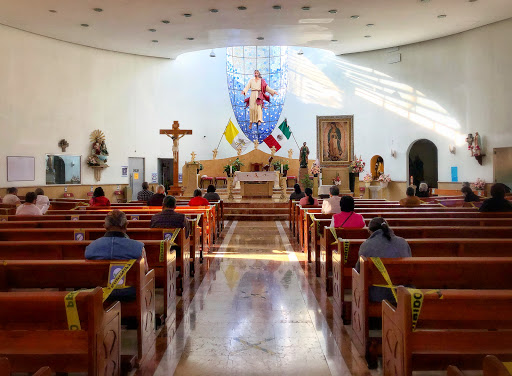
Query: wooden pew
[421, 272]
[45, 339]
[342, 271]
[460, 329]
[417, 232]
[78, 274]
[5, 369]
[492, 367]
[165, 270]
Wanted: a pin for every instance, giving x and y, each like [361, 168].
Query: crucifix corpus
[175, 134]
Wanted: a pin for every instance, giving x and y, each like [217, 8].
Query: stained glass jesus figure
[255, 102]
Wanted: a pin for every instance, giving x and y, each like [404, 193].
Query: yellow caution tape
[382, 269]
[112, 285]
[508, 366]
[346, 249]
[174, 236]
[312, 220]
[162, 250]
[333, 232]
[417, 302]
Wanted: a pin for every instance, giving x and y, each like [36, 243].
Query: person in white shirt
[29, 207]
[332, 204]
[42, 202]
[11, 197]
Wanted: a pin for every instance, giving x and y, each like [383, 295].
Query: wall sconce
[452, 149]
[475, 146]
[393, 153]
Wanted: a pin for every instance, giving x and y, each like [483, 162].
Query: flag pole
[296, 143]
[223, 133]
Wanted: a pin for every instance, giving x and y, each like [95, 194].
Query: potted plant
[277, 165]
[228, 169]
[286, 167]
[315, 169]
[237, 165]
[384, 180]
[368, 178]
[306, 182]
[479, 185]
[336, 180]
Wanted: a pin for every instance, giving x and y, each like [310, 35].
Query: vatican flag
[235, 137]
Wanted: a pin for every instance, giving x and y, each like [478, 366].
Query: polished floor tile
[254, 313]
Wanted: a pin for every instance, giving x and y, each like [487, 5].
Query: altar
[256, 184]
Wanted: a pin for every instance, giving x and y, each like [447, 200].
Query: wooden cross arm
[174, 132]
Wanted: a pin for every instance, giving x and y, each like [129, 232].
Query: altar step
[264, 211]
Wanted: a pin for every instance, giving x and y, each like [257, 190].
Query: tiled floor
[253, 314]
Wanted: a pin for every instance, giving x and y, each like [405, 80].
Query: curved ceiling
[356, 26]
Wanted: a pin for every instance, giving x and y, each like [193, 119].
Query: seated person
[469, 195]
[332, 204]
[423, 190]
[308, 199]
[497, 202]
[297, 194]
[169, 218]
[145, 194]
[42, 201]
[29, 207]
[116, 245]
[158, 198]
[347, 218]
[210, 194]
[11, 197]
[382, 243]
[411, 200]
[198, 200]
[98, 198]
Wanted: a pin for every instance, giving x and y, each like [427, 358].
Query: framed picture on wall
[335, 140]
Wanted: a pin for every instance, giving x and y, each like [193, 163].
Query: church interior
[256, 187]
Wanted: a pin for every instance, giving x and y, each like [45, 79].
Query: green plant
[306, 182]
[285, 166]
[277, 165]
[237, 164]
[200, 166]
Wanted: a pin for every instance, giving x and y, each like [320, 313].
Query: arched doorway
[423, 163]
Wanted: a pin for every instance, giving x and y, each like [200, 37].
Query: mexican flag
[279, 136]
[235, 138]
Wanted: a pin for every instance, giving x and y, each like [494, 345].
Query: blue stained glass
[273, 65]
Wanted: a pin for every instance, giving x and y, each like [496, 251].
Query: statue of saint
[304, 156]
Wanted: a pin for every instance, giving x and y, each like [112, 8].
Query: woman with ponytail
[309, 199]
[382, 243]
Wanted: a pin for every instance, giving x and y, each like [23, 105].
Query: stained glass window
[272, 62]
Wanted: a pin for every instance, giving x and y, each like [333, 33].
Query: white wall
[51, 90]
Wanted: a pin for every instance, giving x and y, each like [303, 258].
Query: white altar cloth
[257, 176]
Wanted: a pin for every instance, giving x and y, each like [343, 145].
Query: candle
[281, 168]
[231, 169]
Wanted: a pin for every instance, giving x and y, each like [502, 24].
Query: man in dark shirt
[497, 202]
[145, 194]
[158, 197]
[169, 218]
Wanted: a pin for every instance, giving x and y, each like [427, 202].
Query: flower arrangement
[384, 178]
[315, 169]
[368, 178]
[336, 180]
[357, 166]
[479, 184]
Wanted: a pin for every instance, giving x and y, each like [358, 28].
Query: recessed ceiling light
[190, 38]
[260, 38]
[212, 54]
[84, 25]
[442, 16]
[154, 41]
[354, 17]
[472, 1]
[276, 7]
[305, 8]
[333, 11]
[52, 11]
[367, 36]
[300, 52]
[242, 7]
[214, 11]
[98, 10]
[370, 25]
[334, 40]
[187, 15]
[166, 21]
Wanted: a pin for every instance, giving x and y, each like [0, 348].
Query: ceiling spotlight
[84, 25]
[334, 40]
[214, 11]
[242, 7]
[190, 38]
[98, 10]
[472, 1]
[306, 8]
[367, 36]
[187, 15]
[152, 30]
[276, 7]
[333, 11]
[212, 54]
[300, 52]
[442, 16]
[52, 11]
[354, 17]
[154, 41]
[370, 25]
[260, 38]
[166, 21]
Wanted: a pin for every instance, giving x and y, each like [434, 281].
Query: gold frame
[321, 122]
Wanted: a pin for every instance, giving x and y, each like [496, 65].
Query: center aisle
[254, 314]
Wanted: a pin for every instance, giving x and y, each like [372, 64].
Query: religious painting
[335, 140]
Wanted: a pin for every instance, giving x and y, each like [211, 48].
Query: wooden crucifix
[175, 134]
